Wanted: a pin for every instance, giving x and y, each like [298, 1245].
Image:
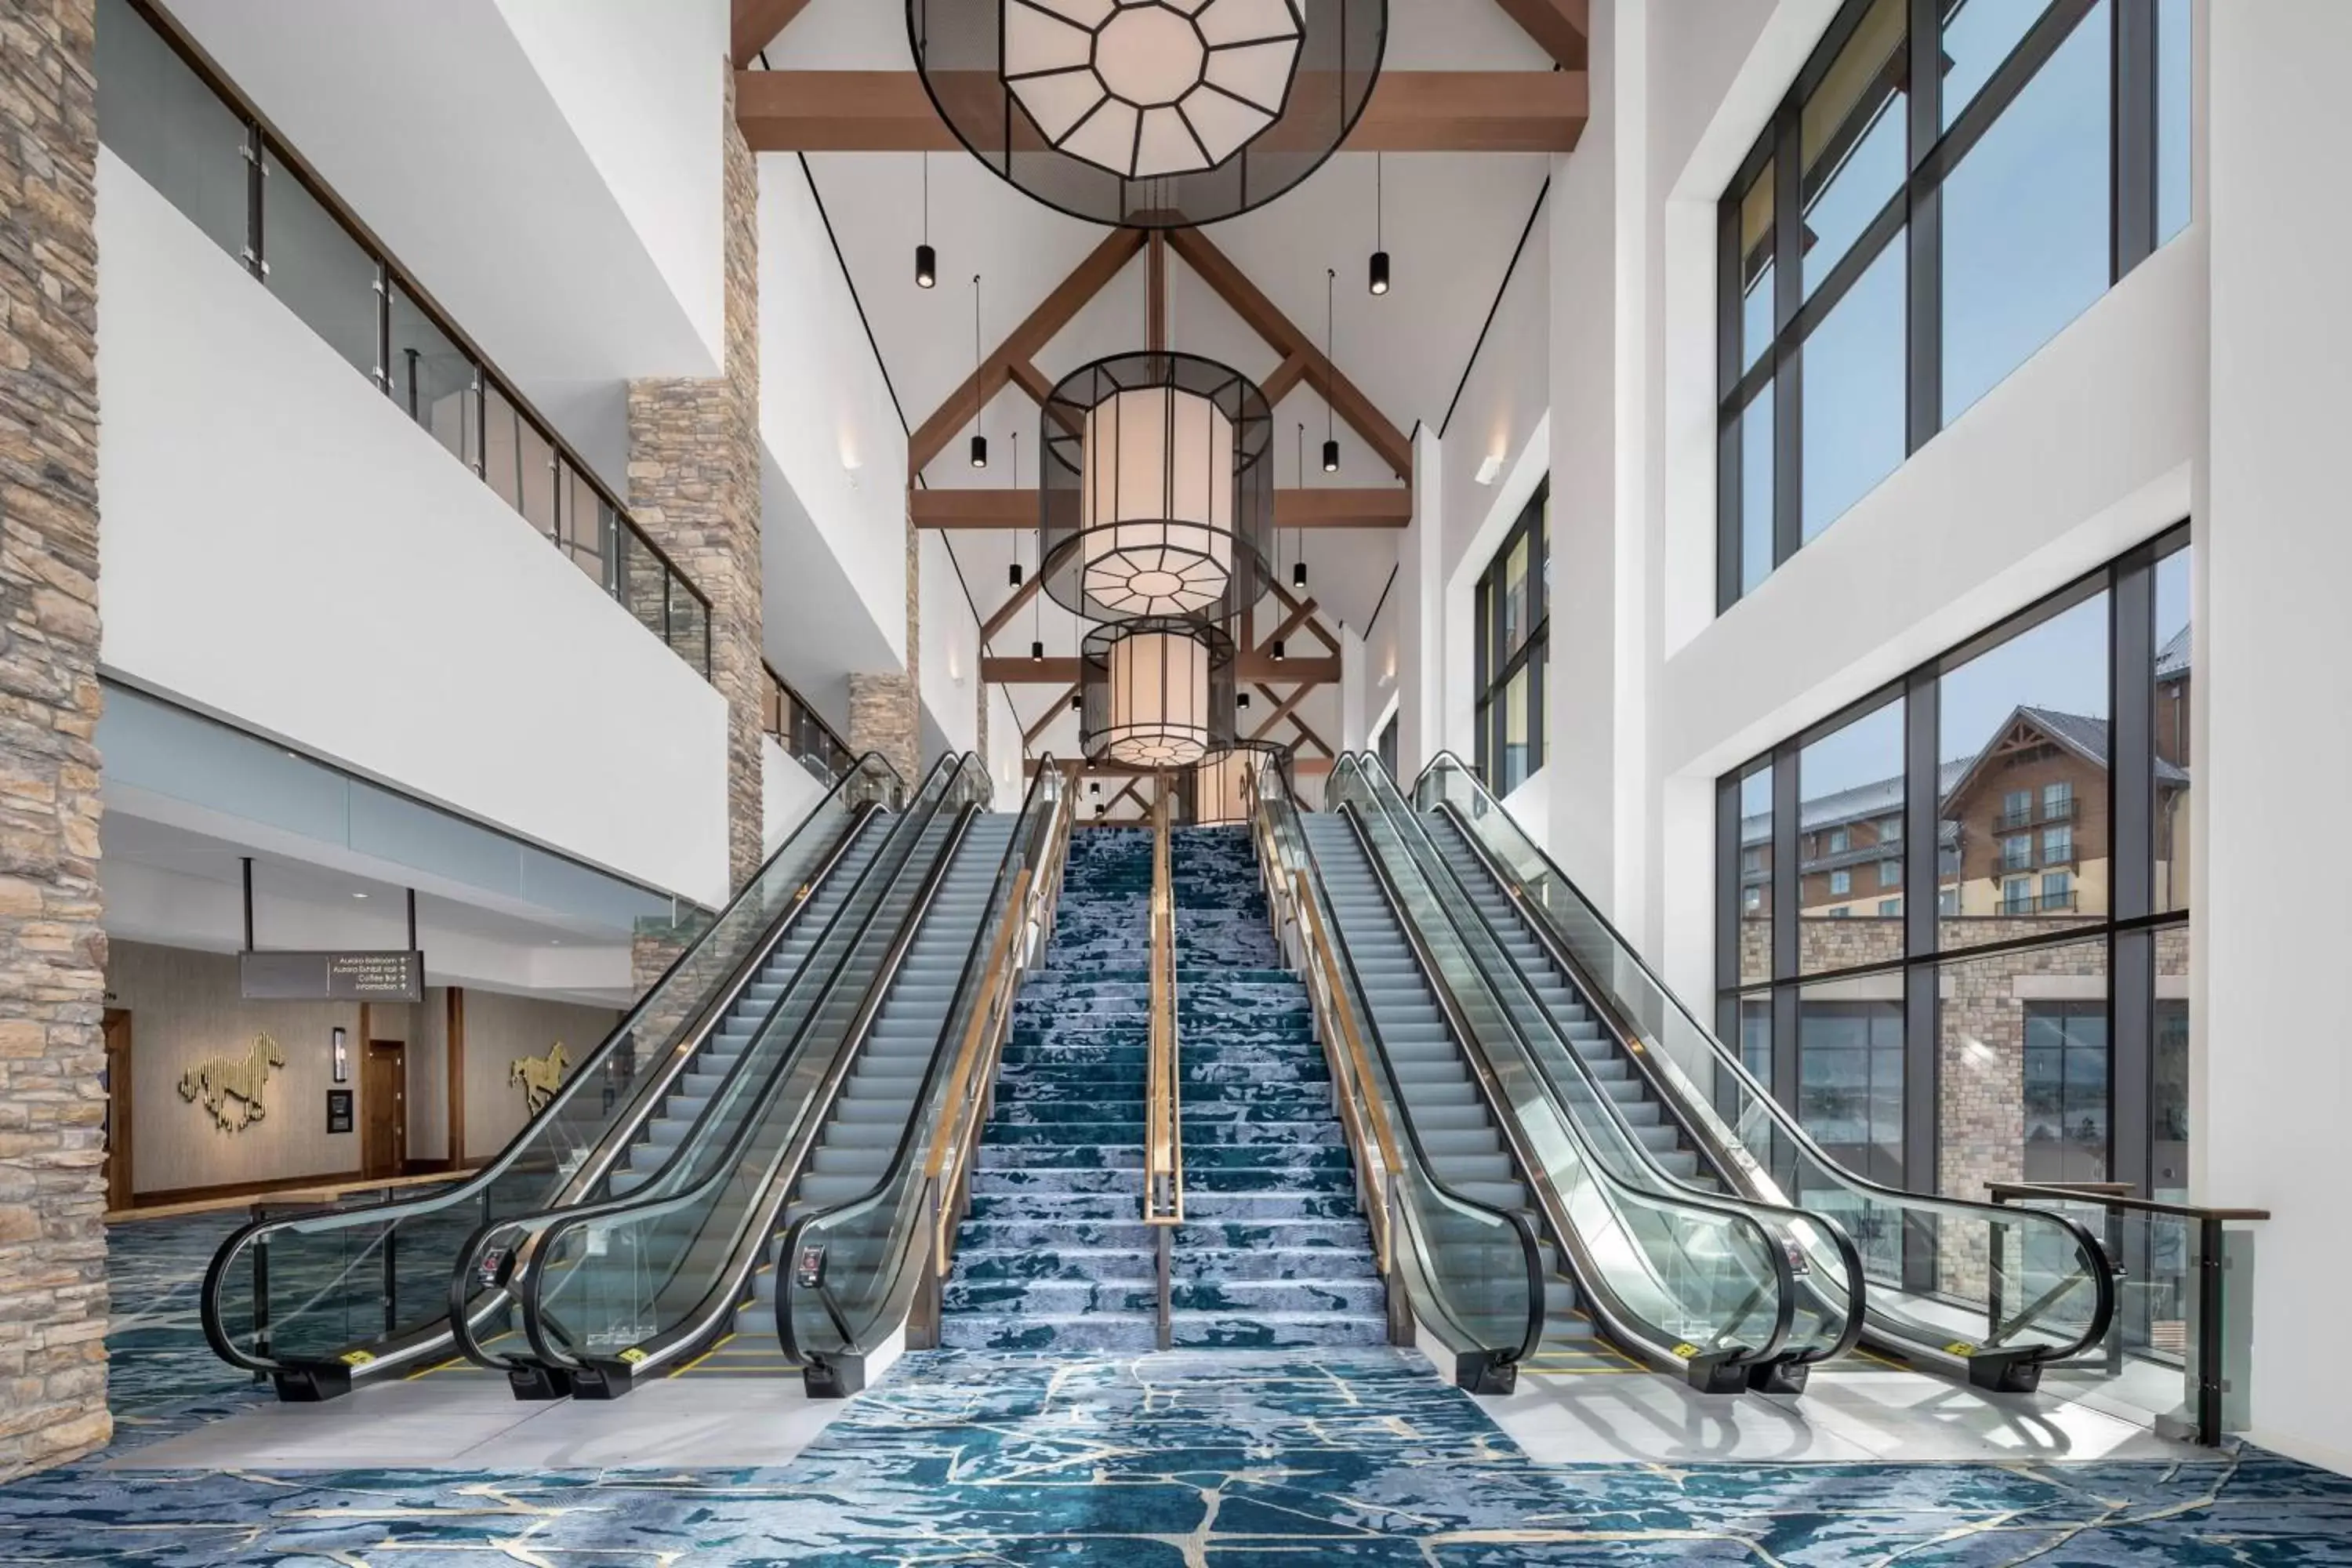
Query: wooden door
[383, 1110]
[117, 1028]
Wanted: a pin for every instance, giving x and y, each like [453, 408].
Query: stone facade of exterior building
[53, 1303]
[694, 487]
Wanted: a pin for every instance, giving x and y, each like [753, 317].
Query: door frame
[115, 1031]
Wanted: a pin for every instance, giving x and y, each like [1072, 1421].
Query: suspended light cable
[1014, 573]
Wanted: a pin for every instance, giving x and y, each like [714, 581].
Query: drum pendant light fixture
[1156, 488]
[1158, 692]
[979, 441]
[1150, 114]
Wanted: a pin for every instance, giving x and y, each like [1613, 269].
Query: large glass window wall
[1947, 185]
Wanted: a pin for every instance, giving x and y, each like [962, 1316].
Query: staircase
[1055, 1253]
[1273, 1252]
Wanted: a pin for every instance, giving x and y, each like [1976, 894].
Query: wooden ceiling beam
[1409, 111]
[755, 24]
[1291, 623]
[1562, 27]
[1300, 767]
[1011, 361]
[1377, 506]
[1286, 376]
[1282, 708]
[1261, 315]
[1017, 669]
[1290, 601]
[1010, 607]
[1059, 706]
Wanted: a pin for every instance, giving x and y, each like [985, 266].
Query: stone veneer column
[694, 487]
[885, 710]
[52, 946]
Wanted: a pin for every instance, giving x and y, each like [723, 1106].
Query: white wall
[2273, 747]
[643, 86]
[828, 422]
[788, 792]
[540, 176]
[283, 548]
[950, 651]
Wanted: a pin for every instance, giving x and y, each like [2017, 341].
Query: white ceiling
[1453, 222]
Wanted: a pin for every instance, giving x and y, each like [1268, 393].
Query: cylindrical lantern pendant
[1158, 692]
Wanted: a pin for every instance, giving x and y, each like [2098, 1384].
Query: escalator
[612, 1294]
[1993, 1294]
[1727, 1293]
[326, 1300]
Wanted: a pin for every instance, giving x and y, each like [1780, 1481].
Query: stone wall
[52, 945]
[885, 710]
[694, 487]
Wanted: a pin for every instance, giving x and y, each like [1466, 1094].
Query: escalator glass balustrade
[1993, 1293]
[325, 1301]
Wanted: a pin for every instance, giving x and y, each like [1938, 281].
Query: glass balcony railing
[166, 112]
[807, 738]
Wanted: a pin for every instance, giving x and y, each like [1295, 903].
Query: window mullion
[1788, 375]
[2134, 58]
[1924, 339]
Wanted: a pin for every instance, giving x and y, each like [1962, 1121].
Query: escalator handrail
[1666, 1184]
[1016, 852]
[466, 1274]
[1511, 1220]
[1531, 1169]
[696, 1027]
[811, 1121]
[2094, 1255]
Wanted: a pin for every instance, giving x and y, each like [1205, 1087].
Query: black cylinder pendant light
[1330, 429]
[979, 441]
[1380, 279]
[1013, 573]
[926, 260]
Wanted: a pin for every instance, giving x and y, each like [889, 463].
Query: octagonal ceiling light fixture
[1156, 692]
[1150, 114]
[1156, 497]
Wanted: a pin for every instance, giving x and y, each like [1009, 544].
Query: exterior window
[2016, 851]
[2057, 891]
[1513, 627]
[1841, 840]
[1841, 883]
[1947, 902]
[2017, 808]
[1888, 908]
[1751, 901]
[2057, 845]
[1751, 859]
[2065, 1092]
[1890, 873]
[1890, 830]
[1847, 342]
[2017, 896]
[2058, 801]
[1841, 912]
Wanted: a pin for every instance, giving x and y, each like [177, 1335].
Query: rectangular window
[2015, 965]
[1841, 840]
[1513, 630]
[1751, 900]
[2009, 185]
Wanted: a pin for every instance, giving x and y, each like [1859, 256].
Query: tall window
[1947, 185]
[2041, 772]
[1514, 635]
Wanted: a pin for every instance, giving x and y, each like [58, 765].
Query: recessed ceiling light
[359, 895]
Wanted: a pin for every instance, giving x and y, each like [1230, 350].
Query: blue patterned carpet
[1217, 1459]
[155, 1351]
